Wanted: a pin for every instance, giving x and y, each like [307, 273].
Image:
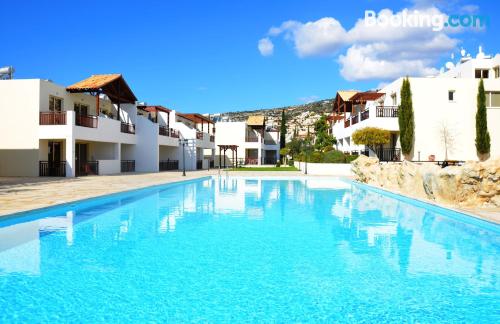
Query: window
[492, 99]
[55, 103]
[81, 109]
[482, 73]
[451, 95]
[394, 99]
[496, 70]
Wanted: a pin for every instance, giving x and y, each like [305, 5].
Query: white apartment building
[251, 142]
[93, 127]
[444, 112]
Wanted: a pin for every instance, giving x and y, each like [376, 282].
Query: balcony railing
[199, 164]
[52, 168]
[53, 118]
[128, 128]
[167, 165]
[251, 139]
[174, 133]
[365, 114]
[163, 131]
[269, 160]
[270, 142]
[388, 154]
[87, 168]
[86, 121]
[128, 166]
[354, 119]
[387, 111]
[347, 123]
[212, 138]
[199, 135]
[251, 161]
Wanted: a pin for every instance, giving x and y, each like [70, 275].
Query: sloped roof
[256, 120]
[346, 94]
[366, 96]
[154, 108]
[197, 118]
[112, 85]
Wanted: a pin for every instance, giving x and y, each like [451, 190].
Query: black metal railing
[347, 123]
[199, 135]
[127, 165]
[388, 154]
[251, 139]
[269, 160]
[174, 133]
[87, 168]
[354, 119]
[127, 128]
[53, 118]
[199, 164]
[86, 121]
[251, 161]
[387, 111]
[365, 114]
[163, 131]
[52, 168]
[167, 165]
[212, 138]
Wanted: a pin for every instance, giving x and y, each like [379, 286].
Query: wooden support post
[236, 157]
[97, 104]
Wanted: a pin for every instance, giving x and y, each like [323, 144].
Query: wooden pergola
[233, 148]
[112, 85]
[199, 119]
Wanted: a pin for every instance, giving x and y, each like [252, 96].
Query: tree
[406, 119]
[284, 152]
[295, 146]
[371, 137]
[482, 134]
[323, 139]
[448, 138]
[283, 130]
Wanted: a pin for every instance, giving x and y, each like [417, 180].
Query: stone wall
[474, 184]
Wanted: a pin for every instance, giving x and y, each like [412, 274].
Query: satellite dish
[462, 52]
[7, 72]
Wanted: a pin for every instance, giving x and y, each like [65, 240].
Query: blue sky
[203, 56]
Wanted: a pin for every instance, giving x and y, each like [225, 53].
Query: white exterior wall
[433, 112]
[19, 100]
[234, 133]
[147, 149]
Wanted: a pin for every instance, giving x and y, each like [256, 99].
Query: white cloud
[374, 52]
[321, 37]
[266, 47]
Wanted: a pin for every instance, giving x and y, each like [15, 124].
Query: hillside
[299, 117]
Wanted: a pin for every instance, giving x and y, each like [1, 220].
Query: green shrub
[316, 157]
[278, 164]
[350, 158]
[334, 157]
[290, 163]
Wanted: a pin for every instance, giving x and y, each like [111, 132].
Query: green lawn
[283, 168]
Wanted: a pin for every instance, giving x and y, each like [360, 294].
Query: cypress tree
[283, 130]
[405, 118]
[482, 134]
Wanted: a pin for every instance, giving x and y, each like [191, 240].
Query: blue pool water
[238, 249]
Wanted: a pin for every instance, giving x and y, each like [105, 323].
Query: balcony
[87, 168]
[163, 131]
[127, 166]
[167, 165]
[365, 114]
[52, 168]
[53, 118]
[251, 139]
[174, 133]
[388, 154]
[387, 111]
[127, 128]
[270, 142]
[86, 121]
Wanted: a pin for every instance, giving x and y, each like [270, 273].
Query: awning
[196, 118]
[112, 85]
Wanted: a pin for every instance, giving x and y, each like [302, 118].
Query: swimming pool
[249, 249]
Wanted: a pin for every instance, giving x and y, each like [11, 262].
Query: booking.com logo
[416, 19]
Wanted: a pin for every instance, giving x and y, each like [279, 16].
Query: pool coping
[473, 218]
[27, 213]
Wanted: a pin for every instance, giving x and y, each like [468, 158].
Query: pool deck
[18, 194]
